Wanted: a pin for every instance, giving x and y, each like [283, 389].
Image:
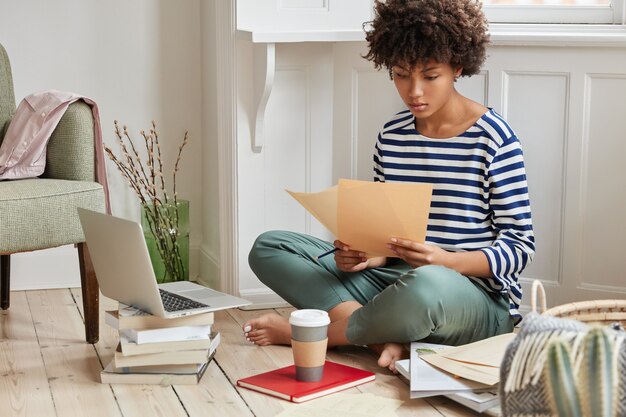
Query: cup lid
[309, 318]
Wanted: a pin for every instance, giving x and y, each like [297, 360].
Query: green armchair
[40, 213]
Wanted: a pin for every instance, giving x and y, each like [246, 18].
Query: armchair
[40, 213]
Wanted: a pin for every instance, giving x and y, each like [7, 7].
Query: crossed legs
[382, 308]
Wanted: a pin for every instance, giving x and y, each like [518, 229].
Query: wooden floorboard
[24, 389]
[47, 369]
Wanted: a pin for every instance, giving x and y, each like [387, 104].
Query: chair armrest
[70, 151]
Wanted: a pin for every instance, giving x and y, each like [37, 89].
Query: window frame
[613, 14]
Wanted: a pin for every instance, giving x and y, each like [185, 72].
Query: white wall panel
[296, 152]
[604, 184]
[475, 87]
[539, 121]
[287, 149]
[375, 101]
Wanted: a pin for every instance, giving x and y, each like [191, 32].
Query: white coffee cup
[309, 339]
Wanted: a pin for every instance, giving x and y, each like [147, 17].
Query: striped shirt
[480, 195]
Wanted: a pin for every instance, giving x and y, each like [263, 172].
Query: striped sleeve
[379, 171]
[514, 245]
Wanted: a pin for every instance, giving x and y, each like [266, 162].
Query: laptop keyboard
[175, 302]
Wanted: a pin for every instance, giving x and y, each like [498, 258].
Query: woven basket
[596, 311]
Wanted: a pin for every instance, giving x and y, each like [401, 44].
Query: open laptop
[124, 271]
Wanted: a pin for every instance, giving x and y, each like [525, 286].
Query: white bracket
[264, 67]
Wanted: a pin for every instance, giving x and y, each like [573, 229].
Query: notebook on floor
[124, 272]
[282, 382]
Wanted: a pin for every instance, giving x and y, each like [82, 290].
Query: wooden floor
[46, 369]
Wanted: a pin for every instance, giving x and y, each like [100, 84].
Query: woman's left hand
[418, 254]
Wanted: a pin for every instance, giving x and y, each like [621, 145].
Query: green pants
[400, 304]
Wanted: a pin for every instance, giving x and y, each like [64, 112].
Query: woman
[461, 285]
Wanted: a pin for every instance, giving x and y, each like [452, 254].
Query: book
[427, 380]
[155, 375]
[167, 334]
[174, 357]
[127, 317]
[282, 383]
[185, 368]
[479, 401]
[129, 348]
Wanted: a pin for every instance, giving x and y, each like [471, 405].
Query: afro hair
[410, 32]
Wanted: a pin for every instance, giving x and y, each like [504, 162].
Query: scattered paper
[345, 405]
[427, 380]
[484, 374]
[478, 361]
[488, 352]
[366, 215]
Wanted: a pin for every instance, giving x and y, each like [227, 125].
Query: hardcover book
[155, 375]
[167, 334]
[127, 317]
[282, 382]
[174, 357]
[129, 348]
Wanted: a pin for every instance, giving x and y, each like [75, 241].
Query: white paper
[427, 380]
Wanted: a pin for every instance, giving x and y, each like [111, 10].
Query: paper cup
[309, 339]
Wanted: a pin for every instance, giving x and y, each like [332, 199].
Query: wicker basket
[596, 311]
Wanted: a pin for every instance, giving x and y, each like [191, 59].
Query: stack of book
[155, 350]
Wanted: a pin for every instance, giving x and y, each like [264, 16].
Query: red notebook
[282, 382]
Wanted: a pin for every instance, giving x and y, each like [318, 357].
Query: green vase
[166, 230]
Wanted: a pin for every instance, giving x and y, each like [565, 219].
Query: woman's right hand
[349, 260]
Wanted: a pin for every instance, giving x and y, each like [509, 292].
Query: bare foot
[269, 329]
[392, 352]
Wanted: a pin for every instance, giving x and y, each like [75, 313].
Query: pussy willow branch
[155, 133]
[180, 151]
[138, 175]
[163, 223]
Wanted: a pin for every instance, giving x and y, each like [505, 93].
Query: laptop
[124, 271]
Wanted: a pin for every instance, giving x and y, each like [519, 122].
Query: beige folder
[365, 215]
[478, 361]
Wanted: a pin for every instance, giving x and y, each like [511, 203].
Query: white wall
[210, 245]
[139, 60]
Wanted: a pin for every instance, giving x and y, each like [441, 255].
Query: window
[555, 11]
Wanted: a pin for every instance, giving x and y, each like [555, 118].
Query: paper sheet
[345, 405]
[478, 361]
[322, 205]
[427, 380]
[366, 215]
[484, 374]
[488, 352]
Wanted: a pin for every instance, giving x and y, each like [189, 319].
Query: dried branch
[147, 181]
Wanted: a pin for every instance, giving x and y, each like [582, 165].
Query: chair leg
[91, 294]
[5, 274]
